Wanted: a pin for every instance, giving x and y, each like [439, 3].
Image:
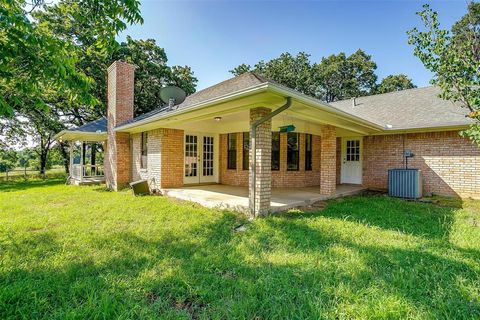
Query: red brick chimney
[120, 81]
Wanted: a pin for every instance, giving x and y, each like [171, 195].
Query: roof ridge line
[229, 79]
[385, 93]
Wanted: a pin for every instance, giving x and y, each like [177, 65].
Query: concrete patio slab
[236, 198]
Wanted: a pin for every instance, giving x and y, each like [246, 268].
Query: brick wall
[172, 158]
[450, 164]
[152, 170]
[232, 177]
[164, 158]
[120, 109]
[280, 178]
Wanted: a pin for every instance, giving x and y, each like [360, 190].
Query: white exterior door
[351, 160]
[201, 158]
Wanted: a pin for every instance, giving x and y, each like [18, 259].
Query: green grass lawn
[82, 252]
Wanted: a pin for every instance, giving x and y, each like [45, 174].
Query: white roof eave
[204, 104]
[79, 135]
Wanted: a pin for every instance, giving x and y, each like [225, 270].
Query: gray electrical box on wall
[405, 183]
[408, 153]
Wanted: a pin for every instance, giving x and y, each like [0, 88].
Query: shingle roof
[99, 125]
[244, 81]
[407, 109]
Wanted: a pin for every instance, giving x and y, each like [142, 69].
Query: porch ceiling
[72, 135]
[239, 122]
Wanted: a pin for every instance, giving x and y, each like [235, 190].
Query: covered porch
[260, 149]
[86, 162]
[87, 145]
[237, 198]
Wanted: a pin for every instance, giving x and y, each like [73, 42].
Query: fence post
[25, 172]
[6, 171]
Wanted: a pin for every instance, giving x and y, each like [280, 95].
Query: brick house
[300, 141]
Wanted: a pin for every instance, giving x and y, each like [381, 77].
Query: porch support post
[260, 182]
[328, 159]
[71, 146]
[82, 160]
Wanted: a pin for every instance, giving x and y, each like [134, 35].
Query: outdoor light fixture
[289, 128]
[217, 119]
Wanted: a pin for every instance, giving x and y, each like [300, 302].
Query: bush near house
[84, 252]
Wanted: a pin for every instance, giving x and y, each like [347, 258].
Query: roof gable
[99, 125]
[242, 82]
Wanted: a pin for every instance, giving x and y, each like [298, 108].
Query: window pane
[232, 151]
[207, 156]
[246, 150]
[144, 150]
[292, 151]
[308, 152]
[190, 156]
[275, 151]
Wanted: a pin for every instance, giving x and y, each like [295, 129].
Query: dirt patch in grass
[37, 229]
[313, 207]
[190, 305]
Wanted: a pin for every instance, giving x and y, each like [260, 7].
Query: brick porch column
[171, 158]
[328, 159]
[117, 160]
[260, 203]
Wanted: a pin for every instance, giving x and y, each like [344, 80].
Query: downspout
[253, 130]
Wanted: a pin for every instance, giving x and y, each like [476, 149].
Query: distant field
[19, 173]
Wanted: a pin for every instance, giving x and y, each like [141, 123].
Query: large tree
[395, 82]
[335, 77]
[152, 72]
[33, 60]
[454, 58]
[93, 59]
[342, 77]
[292, 71]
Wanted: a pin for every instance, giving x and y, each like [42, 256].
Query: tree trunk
[66, 157]
[43, 162]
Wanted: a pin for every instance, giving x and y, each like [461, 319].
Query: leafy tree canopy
[341, 77]
[34, 61]
[336, 77]
[395, 82]
[88, 29]
[292, 71]
[454, 58]
[152, 72]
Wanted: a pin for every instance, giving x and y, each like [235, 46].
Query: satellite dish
[172, 95]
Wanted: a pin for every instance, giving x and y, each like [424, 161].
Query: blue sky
[214, 36]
